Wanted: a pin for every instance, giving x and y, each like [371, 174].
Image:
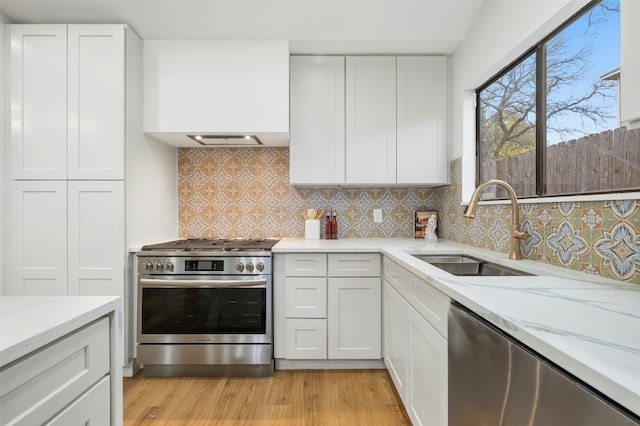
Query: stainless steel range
[205, 308]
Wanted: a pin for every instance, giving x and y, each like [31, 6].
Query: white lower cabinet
[415, 351]
[53, 381]
[327, 306]
[427, 393]
[397, 339]
[306, 338]
[68, 238]
[354, 318]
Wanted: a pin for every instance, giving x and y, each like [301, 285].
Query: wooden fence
[607, 161]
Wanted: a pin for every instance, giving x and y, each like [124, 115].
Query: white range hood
[217, 93]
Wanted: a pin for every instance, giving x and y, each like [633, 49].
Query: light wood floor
[300, 397]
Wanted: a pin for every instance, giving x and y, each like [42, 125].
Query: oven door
[205, 309]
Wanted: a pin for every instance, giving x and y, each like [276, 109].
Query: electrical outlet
[377, 215]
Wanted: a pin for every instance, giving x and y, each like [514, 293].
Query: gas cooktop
[214, 245]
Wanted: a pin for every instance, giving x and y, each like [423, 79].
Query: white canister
[312, 229]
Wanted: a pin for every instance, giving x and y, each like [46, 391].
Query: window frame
[539, 49]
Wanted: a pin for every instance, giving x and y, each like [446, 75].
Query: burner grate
[214, 244]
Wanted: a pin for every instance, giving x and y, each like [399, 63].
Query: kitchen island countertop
[28, 323]
[588, 325]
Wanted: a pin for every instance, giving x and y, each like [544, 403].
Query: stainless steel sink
[463, 265]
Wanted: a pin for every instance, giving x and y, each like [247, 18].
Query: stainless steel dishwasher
[494, 380]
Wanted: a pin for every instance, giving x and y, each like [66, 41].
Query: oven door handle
[202, 283]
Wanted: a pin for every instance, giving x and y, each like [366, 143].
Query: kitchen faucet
[516, 234]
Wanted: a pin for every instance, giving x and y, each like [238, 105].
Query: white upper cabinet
[67, 95]
[317, 120]
[96, 102]
[39, 101]
[629, 64]
[371, 120]
[422, 120]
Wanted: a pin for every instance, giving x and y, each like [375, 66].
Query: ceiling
[311, 26]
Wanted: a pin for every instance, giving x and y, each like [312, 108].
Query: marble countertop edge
[31, 322]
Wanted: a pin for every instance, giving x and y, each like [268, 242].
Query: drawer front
[93, 408]
[38, 386]
[398, 277]
[306, 339]
[306, 298]
[306, 265]
[430, 303]
[354, 265]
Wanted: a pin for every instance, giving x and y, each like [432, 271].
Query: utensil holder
[312, 229]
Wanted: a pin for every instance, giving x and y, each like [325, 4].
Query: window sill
[565, 199]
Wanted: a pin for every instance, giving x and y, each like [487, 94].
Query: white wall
[4, 140]
[152, 166]
[504, 30]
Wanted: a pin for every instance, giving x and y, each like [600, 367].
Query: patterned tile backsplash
[245, 192]
[595, 237]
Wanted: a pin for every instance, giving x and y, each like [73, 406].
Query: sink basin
[463, 265]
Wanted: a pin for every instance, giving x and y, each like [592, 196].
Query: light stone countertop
[588, 325]
[28, 323]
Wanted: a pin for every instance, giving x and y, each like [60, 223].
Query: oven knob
[169, 267]
[250, 267]
[148, 265]
[159, 266]
[260, 266]
[239, 267]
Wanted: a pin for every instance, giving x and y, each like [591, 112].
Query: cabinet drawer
[306, 265]
[430, 303]
[398, 277]
[306, 298]
[306, 339]
[354, 265]
[93, 408]
[36, 387]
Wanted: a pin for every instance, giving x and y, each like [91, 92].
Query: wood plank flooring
[290, 397]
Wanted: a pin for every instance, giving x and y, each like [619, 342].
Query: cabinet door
[317, 120]
[371, 120]
[38, 235]
[39, 101]
[422, 120]
[428, 385]
[96, 102]
[96, 238]
[397, 339]
[306, 339]
[306, 297]
[354, 318]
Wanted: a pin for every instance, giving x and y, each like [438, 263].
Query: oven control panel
[229, 265]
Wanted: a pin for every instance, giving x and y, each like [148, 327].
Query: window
[548, 123]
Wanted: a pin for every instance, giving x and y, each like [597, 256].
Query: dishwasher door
[495, 380]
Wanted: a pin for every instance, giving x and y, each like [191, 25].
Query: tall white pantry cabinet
[67, 159]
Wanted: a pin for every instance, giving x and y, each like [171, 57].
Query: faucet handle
[521, 235]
